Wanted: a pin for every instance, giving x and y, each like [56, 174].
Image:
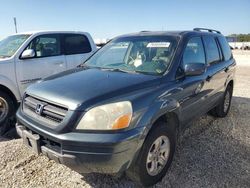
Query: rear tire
[7, 110]
[152, 163]
[222, 109]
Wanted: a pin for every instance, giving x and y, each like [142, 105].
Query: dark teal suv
[123, 109]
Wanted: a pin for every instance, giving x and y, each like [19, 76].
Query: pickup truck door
[48, 60]
[77, 49]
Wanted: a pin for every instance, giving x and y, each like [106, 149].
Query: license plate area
[32, 141]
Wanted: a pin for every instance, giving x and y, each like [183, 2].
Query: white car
[26, 58]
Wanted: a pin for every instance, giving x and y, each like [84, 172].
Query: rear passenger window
[76, 44]
[227, 54]
[212, 51]
[194, 51]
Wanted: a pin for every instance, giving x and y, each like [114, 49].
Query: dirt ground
[212, 152]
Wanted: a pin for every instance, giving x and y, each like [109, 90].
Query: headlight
[107, 117]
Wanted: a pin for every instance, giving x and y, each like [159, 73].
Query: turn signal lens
[122, 122]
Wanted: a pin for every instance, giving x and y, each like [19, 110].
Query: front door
[194, 88]
[48, 60]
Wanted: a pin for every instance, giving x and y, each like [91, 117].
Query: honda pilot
[123, 109]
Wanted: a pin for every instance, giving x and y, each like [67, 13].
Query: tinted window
[46, 45]
[76, 44]
[194, 51]
[212, 51]
[225, 48]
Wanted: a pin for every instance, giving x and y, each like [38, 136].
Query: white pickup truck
[26, 58]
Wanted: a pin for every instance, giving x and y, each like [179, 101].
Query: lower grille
[44, 111]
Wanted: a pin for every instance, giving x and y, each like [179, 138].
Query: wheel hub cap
[158, 155]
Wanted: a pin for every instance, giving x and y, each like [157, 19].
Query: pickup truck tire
[7, 109]
[222, 109]
[141, 171]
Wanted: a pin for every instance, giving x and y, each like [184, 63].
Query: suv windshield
[9, 45]
[143, 54]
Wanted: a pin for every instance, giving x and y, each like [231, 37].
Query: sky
[109, 18]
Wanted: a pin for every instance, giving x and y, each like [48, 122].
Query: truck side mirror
[194, 69]
[28, 54]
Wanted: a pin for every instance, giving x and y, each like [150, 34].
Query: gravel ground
[211, 153]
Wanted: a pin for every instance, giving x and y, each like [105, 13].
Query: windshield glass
[143, 54]
[9, 45]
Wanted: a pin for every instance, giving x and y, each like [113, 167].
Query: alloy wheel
[158, 155]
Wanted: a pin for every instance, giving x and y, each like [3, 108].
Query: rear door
[48, 60]
[216, 75]
[77, 49]
[228, 60]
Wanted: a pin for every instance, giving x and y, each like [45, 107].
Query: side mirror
[194, 69]
[28, 54]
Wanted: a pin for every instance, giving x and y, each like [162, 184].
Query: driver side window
[194, 51]
[46, 45]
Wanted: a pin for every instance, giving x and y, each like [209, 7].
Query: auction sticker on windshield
[158, 45]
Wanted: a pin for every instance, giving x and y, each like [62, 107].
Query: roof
[168, 33]
[48, 32]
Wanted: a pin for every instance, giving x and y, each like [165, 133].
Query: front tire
[7, 110]
[156, 155]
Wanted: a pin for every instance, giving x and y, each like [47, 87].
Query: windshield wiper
[143, 72]
[117, 70]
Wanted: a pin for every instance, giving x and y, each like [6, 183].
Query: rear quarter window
[227, 54]
[76, 44]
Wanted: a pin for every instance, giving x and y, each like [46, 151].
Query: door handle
[226, 69]
[209, 78]
[199, 87]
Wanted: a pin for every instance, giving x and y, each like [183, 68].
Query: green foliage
[241, 37]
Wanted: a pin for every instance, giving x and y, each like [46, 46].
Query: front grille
[44, 111]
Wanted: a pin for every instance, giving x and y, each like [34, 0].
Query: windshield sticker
[158, 45]
[120, 45]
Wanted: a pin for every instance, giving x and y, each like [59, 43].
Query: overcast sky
[108, 18]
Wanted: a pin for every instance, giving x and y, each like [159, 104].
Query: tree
[241, 37]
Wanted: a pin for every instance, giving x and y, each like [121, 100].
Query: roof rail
[205, 29]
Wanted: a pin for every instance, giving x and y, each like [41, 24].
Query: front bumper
[109, 153]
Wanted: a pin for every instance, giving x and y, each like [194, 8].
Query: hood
[77, 87]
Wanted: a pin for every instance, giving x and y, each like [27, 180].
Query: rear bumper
[83, 152]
